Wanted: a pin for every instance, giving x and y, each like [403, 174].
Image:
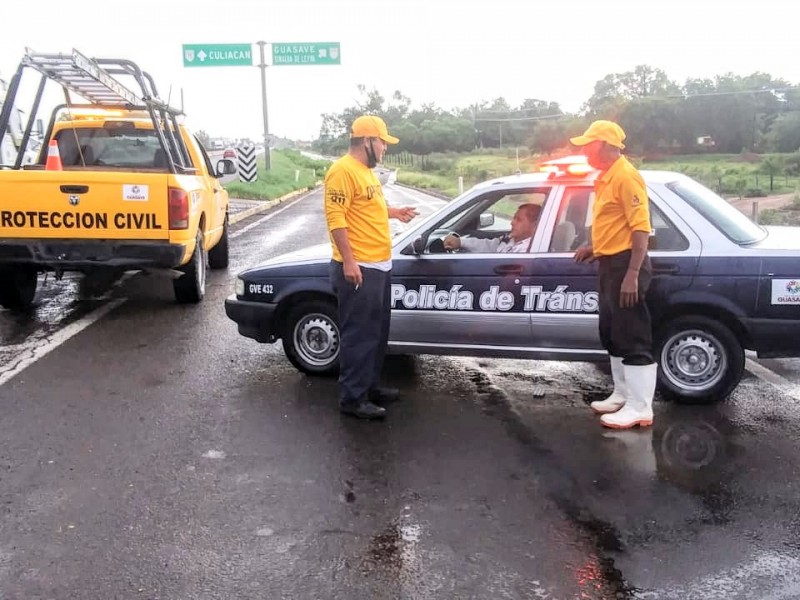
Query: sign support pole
[263, 67]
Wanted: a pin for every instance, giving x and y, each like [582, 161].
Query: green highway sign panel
[306, 53]
[217, 55]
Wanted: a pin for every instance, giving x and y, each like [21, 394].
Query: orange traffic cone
[53, 158]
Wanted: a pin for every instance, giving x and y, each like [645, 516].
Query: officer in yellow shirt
[620, 233]
[360, 271]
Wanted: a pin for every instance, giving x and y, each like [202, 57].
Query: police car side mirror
[486, 220]
[417, 247]
[225, 167]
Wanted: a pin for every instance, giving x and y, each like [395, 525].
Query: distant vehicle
[121, 184]
[217, 145]
[15, 135]
[721, 284]
[229, 153]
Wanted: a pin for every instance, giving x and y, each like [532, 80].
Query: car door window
[206, 159]
[665, 236]
[490, 215]
[574, 221]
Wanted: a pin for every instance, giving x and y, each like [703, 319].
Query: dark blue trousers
[364, 317]
[624, 332]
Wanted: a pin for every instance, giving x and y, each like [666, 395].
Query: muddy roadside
[787, 214]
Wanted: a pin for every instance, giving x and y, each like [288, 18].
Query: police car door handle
[670, 269]
[508, 269]
[74, 189]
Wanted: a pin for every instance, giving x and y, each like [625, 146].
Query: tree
[650, 124]
[204, 138]
[617, 89]
[756, 112]
[784, 134]
[771, 165]
[547, 137]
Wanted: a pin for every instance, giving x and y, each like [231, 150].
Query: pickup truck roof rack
[97, 81]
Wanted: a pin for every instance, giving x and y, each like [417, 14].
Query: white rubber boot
[638, 410]
[619, 396]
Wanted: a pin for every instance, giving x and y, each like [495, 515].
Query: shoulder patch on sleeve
[335, 195]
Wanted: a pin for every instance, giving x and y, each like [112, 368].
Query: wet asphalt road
[156, 454]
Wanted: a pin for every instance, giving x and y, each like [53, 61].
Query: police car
[722, 284]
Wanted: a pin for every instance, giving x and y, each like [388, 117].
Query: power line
[772, 91]
[503, 112]
[540, 118]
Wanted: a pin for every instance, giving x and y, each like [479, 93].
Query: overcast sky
[449, 53]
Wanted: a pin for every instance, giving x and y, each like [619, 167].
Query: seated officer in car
[520, 239]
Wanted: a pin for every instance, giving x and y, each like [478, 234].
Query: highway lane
[152, 452]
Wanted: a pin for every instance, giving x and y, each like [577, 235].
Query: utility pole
[263, 67]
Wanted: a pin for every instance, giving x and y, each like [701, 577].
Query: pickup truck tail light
[178, 209]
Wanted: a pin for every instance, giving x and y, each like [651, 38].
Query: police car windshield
[732, 223]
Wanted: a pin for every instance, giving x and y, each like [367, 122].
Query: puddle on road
[506, 395]
[728, 469]
[54, 302]
[58, 304]
[393, 551]
[384, 548]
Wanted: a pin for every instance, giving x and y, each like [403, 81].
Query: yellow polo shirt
[620, 208]
[354, 201]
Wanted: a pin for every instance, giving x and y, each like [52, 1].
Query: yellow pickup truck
[130, 187]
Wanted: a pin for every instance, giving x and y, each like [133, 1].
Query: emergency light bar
[575, 166]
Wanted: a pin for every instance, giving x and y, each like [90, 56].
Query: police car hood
[319, 253]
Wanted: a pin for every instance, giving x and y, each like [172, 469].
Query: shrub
[771, 216]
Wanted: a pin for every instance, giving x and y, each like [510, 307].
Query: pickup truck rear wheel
[218, 255]
[311, 337]
[701, 360]
[17, 287]
[191, 286]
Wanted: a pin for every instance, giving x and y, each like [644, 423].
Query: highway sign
[217, 55]
[306, 53]
[248, 171]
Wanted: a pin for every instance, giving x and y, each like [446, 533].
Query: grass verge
[290, 171]
[732, 175]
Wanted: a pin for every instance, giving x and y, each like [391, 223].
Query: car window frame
[657, 205]
[707, 215]
[481, 202]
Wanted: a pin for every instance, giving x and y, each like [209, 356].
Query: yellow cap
[371, 126]
[603, 131]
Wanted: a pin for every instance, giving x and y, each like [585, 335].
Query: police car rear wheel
[18, 287]
[191, 286]
[701, 360]
[311, 338]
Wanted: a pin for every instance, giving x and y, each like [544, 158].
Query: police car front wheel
[311, 337]
[701, 360]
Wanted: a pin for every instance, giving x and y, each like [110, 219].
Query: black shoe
[384, 395]
[363, 410]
